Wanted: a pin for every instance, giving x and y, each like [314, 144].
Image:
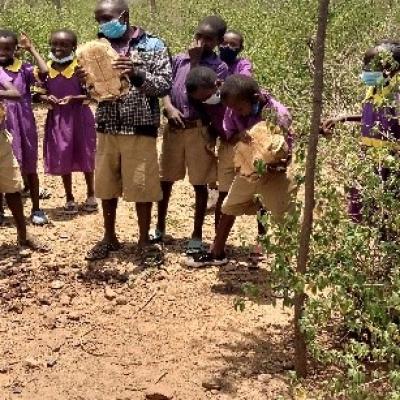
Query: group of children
[213, 102]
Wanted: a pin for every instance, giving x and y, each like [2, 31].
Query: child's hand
[81, 73]
[51, 100]
[196, 51]
[174, 115]
[25, 42]
[327, 126]
[66, 100]
[245, 137]
[125, 66]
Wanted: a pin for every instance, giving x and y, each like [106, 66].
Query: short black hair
[72, 34]
[237, 33]
[121, 5]
[200, 77]
[240, 87]
[216, 23]
[5, 33]
[389, 45]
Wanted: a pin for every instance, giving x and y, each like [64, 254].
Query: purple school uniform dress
[241, 66]
[234, 123]
[180, 70]
[20, 119]
[70, 135]
[379, 124]
[3, 79]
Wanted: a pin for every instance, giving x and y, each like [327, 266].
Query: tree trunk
[309, 201]
[153, 7]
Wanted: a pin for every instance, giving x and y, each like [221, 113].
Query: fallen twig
[148, 301]
[161, 377]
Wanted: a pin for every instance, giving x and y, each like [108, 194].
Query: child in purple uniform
[10, 182]
[186, 140]
[20, 119]
[379, 119]
[229, 52]
[246, 105]
[70, 136]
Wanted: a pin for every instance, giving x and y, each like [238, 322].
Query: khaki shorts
[276, 192]
[10, 181]
[127, 165]
[226, 167]
[186, 149]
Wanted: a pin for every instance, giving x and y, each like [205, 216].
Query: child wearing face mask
[70, 136]
[229, 51]
[186, 139]
[20, 121]
[379, 119]
[247, 105]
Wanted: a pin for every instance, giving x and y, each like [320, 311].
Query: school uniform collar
[378, 96]
[15, 66]
[66, 73]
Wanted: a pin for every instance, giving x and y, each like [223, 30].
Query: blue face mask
[255, 108]
[372, 78]
[113, 29]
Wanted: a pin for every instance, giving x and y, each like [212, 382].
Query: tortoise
[268, 147]
[103, 82]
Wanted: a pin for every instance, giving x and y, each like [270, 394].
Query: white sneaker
[213, 195]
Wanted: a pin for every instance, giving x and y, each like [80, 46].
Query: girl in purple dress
[20, 119]
[379, 119]
[70, 136]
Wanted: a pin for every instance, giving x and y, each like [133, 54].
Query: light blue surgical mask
[61, 60]
[372, 78]
[113, 29]
[255, 108]
[214, 99]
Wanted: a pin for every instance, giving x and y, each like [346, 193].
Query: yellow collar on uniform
[67, 72]
[383, 93]
[15, 66]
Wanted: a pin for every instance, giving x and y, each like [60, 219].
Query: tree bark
[309, 200]
[153, 7]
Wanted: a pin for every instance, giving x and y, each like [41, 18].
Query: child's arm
[329, 124]
[26, 44]
[73, 99]
[9, 91]
[171, 112]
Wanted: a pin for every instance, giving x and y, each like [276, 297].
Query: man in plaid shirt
[126, 159]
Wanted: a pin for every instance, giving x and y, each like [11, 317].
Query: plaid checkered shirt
[139, 111]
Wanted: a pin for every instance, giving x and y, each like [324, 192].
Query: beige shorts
[10, 178]
[276, 192]
[127, 165]
[226, 167]
[187, 149]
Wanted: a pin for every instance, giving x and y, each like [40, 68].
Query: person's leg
[14, 202]
[89, 178]
[33, 182]
[260, 226]
[166, 188]
[143, 211]
[201, 195]
[109, 217]
[224, 228]
[67, 182]
[218, 207]
[1, 204]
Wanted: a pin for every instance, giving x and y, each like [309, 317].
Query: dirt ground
[110, 330]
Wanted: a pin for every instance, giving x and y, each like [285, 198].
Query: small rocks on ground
[159, 392]
[121, 301]
[212, 384]
[31, 363]
[57, 284]
[4, 368]
[51, 362]
[109, 294]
